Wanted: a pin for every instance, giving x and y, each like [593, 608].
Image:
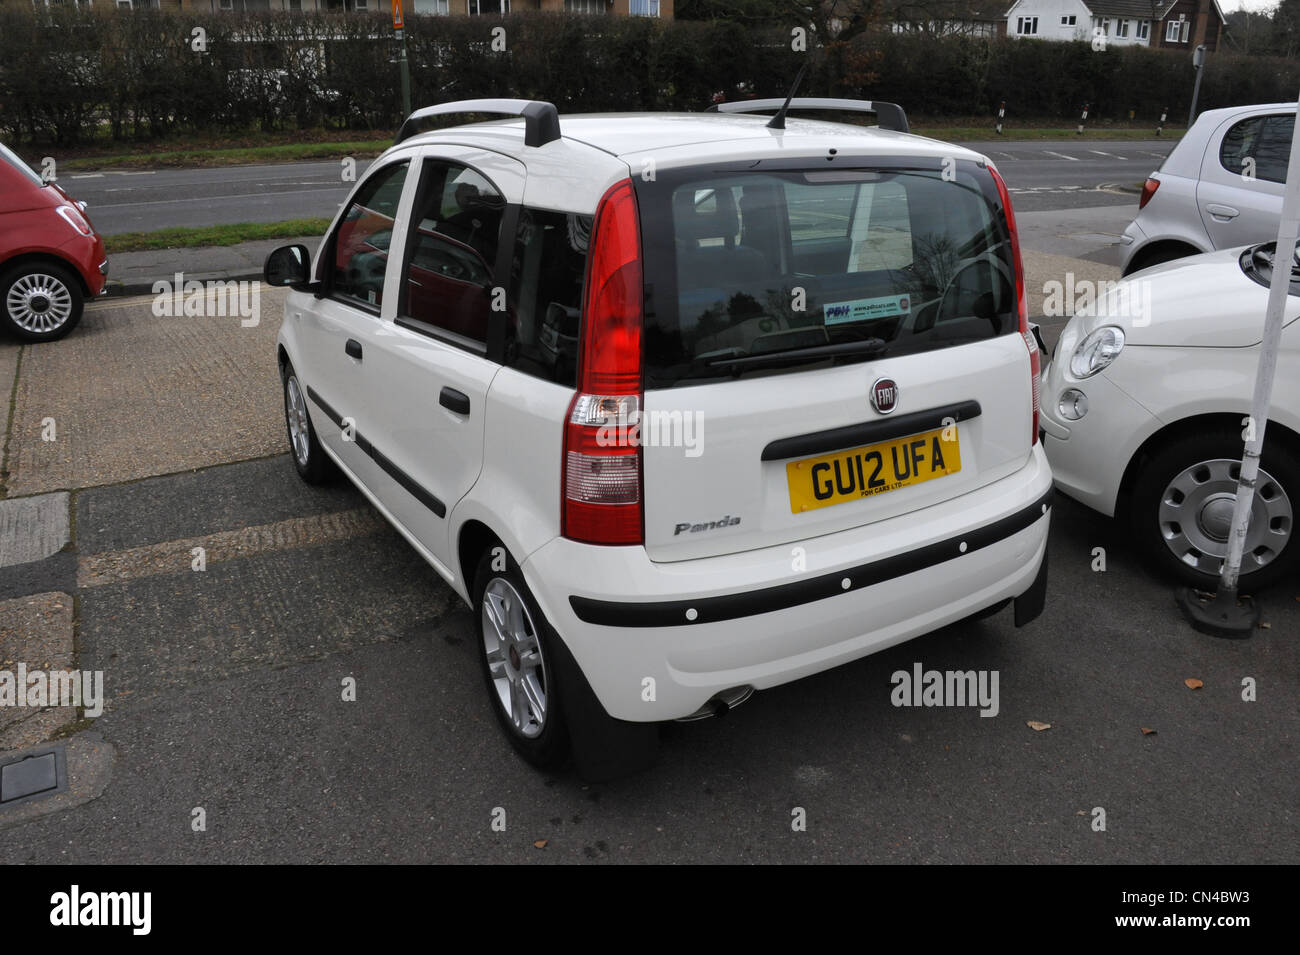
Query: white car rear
[797, 424]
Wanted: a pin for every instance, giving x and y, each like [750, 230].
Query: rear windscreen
[742, 264]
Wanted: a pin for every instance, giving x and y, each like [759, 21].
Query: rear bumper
[766, 617]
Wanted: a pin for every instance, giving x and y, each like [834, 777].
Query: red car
[51, 257]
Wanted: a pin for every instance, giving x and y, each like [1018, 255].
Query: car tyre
[572, 720]
[1181, 508]
[40, 301]
[515, 652]
[310, 460]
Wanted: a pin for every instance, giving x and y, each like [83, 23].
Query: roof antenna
[778, 121]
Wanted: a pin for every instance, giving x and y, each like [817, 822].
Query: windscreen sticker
[860, 309]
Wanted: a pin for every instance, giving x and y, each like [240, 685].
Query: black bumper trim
[385, 463]
[870, 432]
[673, 613]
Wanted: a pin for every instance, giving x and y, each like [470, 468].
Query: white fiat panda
[683, 405]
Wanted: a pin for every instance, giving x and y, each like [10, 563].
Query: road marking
[1157, 155]
[171, 557]
[87, 175]
[209, 199]
[1006, 155]
[1111, 155]
[1061, 155]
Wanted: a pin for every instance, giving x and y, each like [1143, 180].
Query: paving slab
[130, 395]
[35, 631]
[33, 528]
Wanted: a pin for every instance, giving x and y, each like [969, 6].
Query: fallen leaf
[1037, 726]
[539, 844]
[1146, 731]
[1265, 626]
[1193, 683]
[1082, 812]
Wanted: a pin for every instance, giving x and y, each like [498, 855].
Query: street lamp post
[1225, 615]
[1198, 64]
[398, 28]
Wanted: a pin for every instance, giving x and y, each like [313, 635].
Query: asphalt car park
[225, 687]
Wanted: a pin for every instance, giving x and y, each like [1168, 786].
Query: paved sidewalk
[134, 273]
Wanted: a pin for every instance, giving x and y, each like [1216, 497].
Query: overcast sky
[1227, 6]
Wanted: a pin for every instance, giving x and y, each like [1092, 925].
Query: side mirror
[288, 265]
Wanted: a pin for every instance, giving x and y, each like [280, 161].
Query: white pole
[1283, 260]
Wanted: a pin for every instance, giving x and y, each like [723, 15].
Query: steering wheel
[944, 300]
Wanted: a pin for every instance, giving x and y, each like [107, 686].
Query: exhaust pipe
[720, 703]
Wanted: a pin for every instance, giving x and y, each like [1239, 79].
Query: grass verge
[235, 156]
[213, 235]
[1010, 134]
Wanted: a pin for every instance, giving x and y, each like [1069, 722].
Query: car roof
[714, 134]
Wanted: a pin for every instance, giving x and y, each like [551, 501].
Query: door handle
[454, 400]
[1221, 212]
[353, 348]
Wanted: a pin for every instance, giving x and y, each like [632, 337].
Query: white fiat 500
[1146, 405]
[683, 405]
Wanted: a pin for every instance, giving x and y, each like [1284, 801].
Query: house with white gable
[1165, 24]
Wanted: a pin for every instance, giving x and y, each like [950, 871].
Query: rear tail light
[1148, 190]
[1022, 304]
[602, 485]
[1035, 369]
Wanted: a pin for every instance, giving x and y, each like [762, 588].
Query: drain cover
[40, 773]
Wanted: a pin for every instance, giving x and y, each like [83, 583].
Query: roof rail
[541, 121]
[888, 115]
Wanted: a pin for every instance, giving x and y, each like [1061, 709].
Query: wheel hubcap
[296, 413]
[514, 657]
[39, 303]
[1195, 517]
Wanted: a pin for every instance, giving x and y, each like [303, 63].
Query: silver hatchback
[1221, 187]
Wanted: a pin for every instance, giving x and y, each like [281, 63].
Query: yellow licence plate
[871, 470]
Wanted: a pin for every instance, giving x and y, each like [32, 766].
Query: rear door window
[547, 271]
[754, 263]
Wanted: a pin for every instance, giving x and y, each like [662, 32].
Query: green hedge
[69, 75]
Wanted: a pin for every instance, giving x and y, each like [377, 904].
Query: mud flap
[604, 748]
[1030, 604]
